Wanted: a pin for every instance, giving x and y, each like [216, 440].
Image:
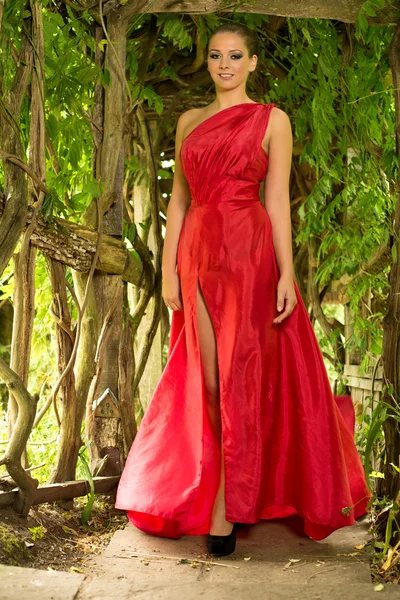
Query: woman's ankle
[220, 527]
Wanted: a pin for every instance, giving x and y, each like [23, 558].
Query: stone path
[273, 560]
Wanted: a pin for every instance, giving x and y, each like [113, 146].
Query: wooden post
[108, 434]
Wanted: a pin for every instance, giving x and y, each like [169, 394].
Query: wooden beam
[63, 491]
[338, 10]
[75, 245]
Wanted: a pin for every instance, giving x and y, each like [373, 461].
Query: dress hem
[314, 530]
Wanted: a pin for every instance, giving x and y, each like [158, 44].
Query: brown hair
[249, 37]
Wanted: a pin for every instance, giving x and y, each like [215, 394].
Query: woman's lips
[225, 75]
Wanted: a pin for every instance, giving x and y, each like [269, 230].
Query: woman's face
[228, 60]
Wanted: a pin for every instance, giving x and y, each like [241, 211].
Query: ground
[273, 560]
[110, 554]
[53, 537]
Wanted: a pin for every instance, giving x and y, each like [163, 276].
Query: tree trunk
[109, 166]
[24, 312]
[142, 207]
[69, 439]
[126, 363]
[22, 411]
[390, 485]
[25, 261]
[13, 218]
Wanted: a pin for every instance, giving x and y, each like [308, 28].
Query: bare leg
[208, 351]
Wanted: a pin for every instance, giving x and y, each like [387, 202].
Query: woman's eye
[235, 56]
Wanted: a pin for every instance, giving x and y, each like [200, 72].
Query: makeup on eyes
[213, 53]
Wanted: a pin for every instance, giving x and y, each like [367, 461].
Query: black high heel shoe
[222, 545]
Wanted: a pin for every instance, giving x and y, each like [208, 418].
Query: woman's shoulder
[192, 114]
[279, 122]
[278, 115]
[188, 120]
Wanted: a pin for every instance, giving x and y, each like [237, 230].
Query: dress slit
[220, 386]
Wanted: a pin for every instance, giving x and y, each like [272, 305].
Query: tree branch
[316, 304]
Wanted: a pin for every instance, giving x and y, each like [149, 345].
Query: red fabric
[286, 444]
[346, 407]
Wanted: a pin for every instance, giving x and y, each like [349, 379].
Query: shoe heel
[222, 545]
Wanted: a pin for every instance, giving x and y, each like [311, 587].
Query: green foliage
[42, 446]
[325, 343]
[374, 433]
[87, 510]
[368, 8]
[338, 93]
[174, 30]
[371, 442]
[12, 549]
[152, 98]
[37, 532]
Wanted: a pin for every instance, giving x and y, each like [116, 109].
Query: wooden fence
[62, 491]
[365, 387]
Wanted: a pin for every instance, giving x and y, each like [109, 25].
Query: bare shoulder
[189, 119]
[189, 116]
[279, 129]
[279, 120]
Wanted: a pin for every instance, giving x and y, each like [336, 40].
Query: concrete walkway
[273, 560]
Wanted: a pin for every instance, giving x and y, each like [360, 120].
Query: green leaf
[174, 29]
[164, 174]
[52, 126]
[74, 154]
[307, 35]
[92, 188]
[301, 212]
[376, 348]
[56, 17]
[50, 201]
[362, 21]
[153, 99]
[367, 8]
[105, 77]
[101, 44]
[131, 232]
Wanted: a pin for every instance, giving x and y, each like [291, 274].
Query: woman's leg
[208, 352]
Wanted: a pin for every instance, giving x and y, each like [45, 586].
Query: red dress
[287, 447]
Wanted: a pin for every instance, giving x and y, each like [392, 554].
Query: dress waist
[226, 204]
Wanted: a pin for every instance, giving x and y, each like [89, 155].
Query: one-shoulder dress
[287, 447]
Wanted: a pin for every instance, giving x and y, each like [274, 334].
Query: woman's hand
[171, 291]
[286, 298]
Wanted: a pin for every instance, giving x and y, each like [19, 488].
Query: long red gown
[287, 448]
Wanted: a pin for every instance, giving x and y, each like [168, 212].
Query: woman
[242, 425]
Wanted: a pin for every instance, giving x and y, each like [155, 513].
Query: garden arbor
[140, 86]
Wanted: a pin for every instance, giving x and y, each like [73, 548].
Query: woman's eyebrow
[234, 50]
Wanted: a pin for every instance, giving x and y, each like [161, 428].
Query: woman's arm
[277, 204]
[177, 207]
